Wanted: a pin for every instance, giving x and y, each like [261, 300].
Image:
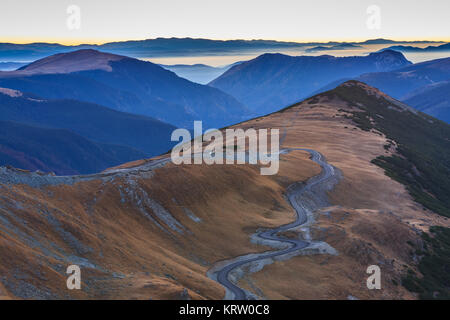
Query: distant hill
[422, 85]
[198, 73]
[143, 48]
[444, 47]
[172, 47]
[8, 66]
[125, 84]
[57, 150]
[433, 99]
[273, 80]
[94, 122]
[341, 46]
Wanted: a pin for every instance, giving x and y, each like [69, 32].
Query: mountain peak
[372, 91]
[80, 60]
[389, 60]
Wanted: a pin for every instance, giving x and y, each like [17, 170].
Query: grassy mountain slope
[422, 143]
[120, 227]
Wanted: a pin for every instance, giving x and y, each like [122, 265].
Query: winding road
[304, 198]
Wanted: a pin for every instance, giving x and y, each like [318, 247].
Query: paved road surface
[294, 193]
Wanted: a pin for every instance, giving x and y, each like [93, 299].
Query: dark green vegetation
[422, 165]
[423, 145]
[58, 150]
[434, 266]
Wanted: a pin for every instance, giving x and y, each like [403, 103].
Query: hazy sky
[106, 20]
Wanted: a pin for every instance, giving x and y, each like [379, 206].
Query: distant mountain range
[166, 47]
[271, 81]
[342, 46]
[125, 84]
[199, 73]
[111, 109]
[422, 85]
[441, 48]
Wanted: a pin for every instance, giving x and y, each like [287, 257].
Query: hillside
[271, 81]
[97, 123]
[125, 84]
[422, 85]
[433, 99]
[422, 143]
[151, 229]
[401, 82]
[8, 66]
[56, 150]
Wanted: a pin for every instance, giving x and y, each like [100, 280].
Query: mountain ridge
[103, 125]
[167, 218]
[126, 84]
[279, 80]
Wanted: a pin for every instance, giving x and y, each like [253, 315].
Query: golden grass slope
[126, 249]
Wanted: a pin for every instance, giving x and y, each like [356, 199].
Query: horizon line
[105, 41]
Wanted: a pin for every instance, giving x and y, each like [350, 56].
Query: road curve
[324, 181]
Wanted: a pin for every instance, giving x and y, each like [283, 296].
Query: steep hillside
[152, 229]
[56, 150]
[400, 82]
[433, 99]
[125, 84]
[422, 143]
[272, 81]
[94, 122]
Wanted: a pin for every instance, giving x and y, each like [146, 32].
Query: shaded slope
[433, 99]
[271, 81]
[125, 84]
[56, 150]
[400, 82]
[94, 122]
[421, 85]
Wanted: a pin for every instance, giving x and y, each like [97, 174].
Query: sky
[99, 21]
